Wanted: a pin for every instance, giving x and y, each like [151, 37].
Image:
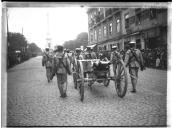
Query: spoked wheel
[81, 92]
[48, 73]
[75, 80]
[75, 73]
[106, 81]
[81, 83]
[121, 81]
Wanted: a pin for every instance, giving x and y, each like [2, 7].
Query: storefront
[156, 37]
[136, 37]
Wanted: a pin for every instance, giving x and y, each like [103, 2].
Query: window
[138, 44]
[145, 15]
[104, 31]
[91, 16]
[99, 9]
[110, 46]
[126, 20]
[91, 37]
[110, 29]
[137, 10]
[94, 13]
[118, 25]
[105, 47]
[131, 20]
[99, 34]
[152, 13]
[138, 18]
[95, 35]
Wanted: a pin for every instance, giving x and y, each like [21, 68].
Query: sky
[62, 23]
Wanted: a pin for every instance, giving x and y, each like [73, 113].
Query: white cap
[132, 42]
[114, 46]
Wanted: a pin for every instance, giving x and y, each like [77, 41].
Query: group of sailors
[61, 63]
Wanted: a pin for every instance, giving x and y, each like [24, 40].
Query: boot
[134, 82]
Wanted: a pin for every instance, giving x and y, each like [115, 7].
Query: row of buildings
[118, 26]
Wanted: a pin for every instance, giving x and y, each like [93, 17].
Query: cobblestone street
[32, 101]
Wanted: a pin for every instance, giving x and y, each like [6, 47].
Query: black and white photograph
[85, 64]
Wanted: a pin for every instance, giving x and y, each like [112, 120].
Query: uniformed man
[47, 62]
[134, 60]
[114, 57]
[76, 57]
[90, 54]
[61, 68]
[78, 54]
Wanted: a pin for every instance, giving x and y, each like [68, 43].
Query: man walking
[47, 62]
[61, 67]
[134, 60]
[114, 57]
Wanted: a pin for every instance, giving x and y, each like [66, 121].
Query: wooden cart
[95, 70]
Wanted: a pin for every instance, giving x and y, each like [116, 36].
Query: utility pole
[7, 23]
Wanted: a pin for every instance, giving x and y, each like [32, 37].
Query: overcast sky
[65, 23]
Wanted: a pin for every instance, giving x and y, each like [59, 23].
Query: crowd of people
[155, 58]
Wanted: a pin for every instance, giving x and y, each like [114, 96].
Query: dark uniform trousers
[61, 72]
[133, 65]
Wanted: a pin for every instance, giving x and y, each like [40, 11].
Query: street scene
[32, 101]
[106, 66]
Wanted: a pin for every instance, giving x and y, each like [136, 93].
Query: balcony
[91, 23]
[108, 12]
[97, 18]
[137, 10]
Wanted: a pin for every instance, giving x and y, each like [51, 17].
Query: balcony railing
[91, 23]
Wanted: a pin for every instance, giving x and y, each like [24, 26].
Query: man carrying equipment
[47, 62]
[134, 60]
[115, 55]
[61, 67]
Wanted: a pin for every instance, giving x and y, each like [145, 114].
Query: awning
[91, 46]
[132, 34]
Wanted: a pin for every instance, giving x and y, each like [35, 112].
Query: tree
[81, 40]
[34, 50]
[16, 41]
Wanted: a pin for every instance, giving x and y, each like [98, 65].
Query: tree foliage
[16, 41]
[33, 48]
[81, 40]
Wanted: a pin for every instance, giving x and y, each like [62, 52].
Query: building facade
[118, 26]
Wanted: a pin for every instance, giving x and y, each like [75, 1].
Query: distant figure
[134, 60]
[61, 67]
[47, 62]
[157, 62]
[114, 57]
[90, 54]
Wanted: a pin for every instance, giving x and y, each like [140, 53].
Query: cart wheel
[81, 76]
[121, 81]
[81, 91]
[106, 82]
[75, 80]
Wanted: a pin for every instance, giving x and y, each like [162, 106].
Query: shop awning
[91, 46]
